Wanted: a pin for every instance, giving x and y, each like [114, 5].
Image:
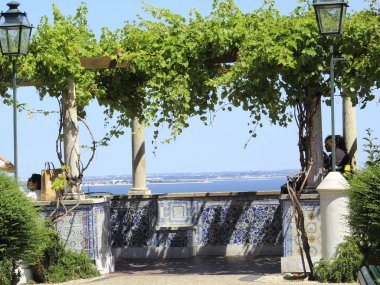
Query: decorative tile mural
[312, 217]
[239, 224]
[76, 228]
[133, 222]
[86, 229]
[217, 221]
[176, 212]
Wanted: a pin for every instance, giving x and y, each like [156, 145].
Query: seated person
[341, 156]
[34, 185]
[6, 165]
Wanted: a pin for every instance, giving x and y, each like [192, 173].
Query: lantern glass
[330, 16]
[15, 31]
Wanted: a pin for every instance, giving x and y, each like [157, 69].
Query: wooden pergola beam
[25, 83]
[105, 62]
[102, 62]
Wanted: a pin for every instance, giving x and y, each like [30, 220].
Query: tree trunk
[71, 141]
[314, 147]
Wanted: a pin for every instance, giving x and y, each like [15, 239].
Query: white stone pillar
[349, 131]
[26, 274]
[138, 160]
[71, 140]
[334, 212]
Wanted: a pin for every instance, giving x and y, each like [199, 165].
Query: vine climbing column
[138, 160]
[71, 141]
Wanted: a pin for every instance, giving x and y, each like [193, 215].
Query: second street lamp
[15, 32]
[330, 17]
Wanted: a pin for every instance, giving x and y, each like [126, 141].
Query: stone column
[71, 141]
[349, 131]
[334, 212]
[138, 160]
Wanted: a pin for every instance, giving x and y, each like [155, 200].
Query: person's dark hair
[36, 178]
[339, 142]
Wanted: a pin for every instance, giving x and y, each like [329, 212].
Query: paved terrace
[238, 270]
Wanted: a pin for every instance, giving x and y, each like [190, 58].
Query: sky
[199, 148]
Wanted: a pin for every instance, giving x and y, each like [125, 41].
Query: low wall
[85, 229]
[189, 224]
[292, 260]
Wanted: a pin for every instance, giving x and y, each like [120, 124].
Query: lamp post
[330, 18]
[15, 32]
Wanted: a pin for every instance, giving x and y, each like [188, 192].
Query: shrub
[22, 231]
[58, 264]
[343, 268]
[364, 201]
[24, 236]
[5, 271]
[371, 148]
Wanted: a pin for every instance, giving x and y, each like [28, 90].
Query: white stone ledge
[314, 196]
[272, 194]
[295, 264]
[90, 201]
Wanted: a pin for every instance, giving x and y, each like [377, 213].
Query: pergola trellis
[70, 130]
[138, 142]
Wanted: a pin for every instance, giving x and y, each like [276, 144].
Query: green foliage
[344, 267]
[166, 80]
[9, 271]
[5, 78]
[371, 148]
[175, 69]
[360, 45]
[23, 236]
[22, 231]
[182, 67]
[6, 269]
[59, 182]
[364, 218]
[54, 57]
[58, 264]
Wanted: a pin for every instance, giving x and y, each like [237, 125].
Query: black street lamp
[330, 17]
[15, 32]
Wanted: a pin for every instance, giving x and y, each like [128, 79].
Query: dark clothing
[341, 158]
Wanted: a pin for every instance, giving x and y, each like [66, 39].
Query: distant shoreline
[190, 182]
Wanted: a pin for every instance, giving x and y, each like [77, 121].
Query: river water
[247, 185]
